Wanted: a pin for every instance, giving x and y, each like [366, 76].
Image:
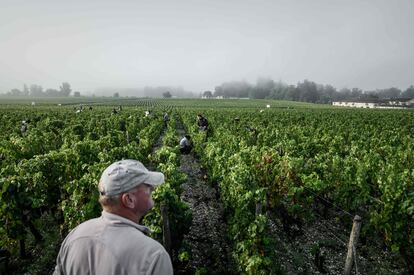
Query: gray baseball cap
[122, 176]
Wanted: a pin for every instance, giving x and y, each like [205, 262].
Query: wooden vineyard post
[127, 137]
[353, 239]
[166, 234]
[22, 246]
[4, 261]
[258, 208]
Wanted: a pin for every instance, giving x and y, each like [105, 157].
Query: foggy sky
[197, 45]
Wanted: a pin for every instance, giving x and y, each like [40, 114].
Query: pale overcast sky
[200, 44]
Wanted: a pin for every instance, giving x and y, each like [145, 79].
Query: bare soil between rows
[207, 238]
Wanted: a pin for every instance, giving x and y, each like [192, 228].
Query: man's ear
[127, 200]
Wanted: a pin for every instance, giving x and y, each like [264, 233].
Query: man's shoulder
[85, 228]
[99, 230]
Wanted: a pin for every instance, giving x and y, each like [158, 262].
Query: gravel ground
[206, 240]
[321, 248]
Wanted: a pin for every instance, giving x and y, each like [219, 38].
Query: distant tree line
[307, 91]
[158, 92]
[265, 88]
[37, 91]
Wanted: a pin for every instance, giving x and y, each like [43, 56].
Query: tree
[328, 94]
[218, 91]
[294, 94]
[344, 93]
[207, 94]
[36, 90]
[116, 94]
[233, 89]
[389, 93]
[263, 88]
[279, 91]
[308, 91]
[65, 89]
[409, 93]
[15, 92]
[167, 94]
[370, 95]
[356, 92]
[25, 90]
[52, 92]
[76, 94]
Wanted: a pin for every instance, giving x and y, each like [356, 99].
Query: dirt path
[206, 240]
[322, 247]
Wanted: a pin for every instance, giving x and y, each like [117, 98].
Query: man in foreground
[115, 243]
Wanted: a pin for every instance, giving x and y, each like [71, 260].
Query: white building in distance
[396, 103]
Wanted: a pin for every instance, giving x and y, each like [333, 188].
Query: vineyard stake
[166, 228]
[353, 239]
[258, 208]
[4, 261]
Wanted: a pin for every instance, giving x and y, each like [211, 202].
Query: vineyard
[285, 180]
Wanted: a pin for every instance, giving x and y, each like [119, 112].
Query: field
[289, 178]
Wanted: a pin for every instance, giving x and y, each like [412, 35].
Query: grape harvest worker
[186, 145]
[202, 122]
[166, 118]
[24, 127]
[116, 243]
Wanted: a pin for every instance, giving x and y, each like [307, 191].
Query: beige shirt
[111, 244]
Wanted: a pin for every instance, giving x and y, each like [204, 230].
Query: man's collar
[116, 219]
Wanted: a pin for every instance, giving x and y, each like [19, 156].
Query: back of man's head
[123, 176]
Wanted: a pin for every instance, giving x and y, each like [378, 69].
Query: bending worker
[186, 145]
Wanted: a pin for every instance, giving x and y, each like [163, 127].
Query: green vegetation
[284, 157]
[287, 159]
